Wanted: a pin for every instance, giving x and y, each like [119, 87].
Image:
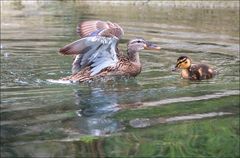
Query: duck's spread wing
[97, 52]
[98, 27]
[82, 46]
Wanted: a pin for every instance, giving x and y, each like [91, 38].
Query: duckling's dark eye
[138, 41]
[185, 62]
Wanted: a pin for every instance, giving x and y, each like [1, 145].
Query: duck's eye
[185, 62]
[138, 41]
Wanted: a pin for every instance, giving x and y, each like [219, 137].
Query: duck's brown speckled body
[96, 53]
[194, 71]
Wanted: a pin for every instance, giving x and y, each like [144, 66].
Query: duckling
[97, 54]
[193, 71]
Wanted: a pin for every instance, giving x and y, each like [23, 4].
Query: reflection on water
[94, 109]
[96, 105]
[40, 117]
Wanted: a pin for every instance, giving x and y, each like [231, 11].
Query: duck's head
[183, 62]
[140, 44]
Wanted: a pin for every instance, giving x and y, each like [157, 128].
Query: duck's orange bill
[151, 46]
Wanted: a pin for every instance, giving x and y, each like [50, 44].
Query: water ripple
[187, 99]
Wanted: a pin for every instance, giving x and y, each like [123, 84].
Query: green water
[156, 114]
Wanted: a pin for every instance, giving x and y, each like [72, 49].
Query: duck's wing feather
[98, 27]
[82, 45]
[97, 52]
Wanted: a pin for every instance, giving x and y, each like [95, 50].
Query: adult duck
[97, 54]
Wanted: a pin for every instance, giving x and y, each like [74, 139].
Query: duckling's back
[201, 72]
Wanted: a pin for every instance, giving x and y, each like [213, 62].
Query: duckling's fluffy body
[194, 71]
[198, 72]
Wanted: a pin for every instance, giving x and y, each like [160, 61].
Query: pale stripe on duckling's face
[183, 63]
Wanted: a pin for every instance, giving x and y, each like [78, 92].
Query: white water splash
[62, 81]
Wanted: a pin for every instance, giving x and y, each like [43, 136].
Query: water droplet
[79, 113]
[6, 55]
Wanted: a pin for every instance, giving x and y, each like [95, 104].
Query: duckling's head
[140, 44]
[183, 62]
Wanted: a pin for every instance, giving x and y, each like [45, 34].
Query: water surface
[126, 117]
